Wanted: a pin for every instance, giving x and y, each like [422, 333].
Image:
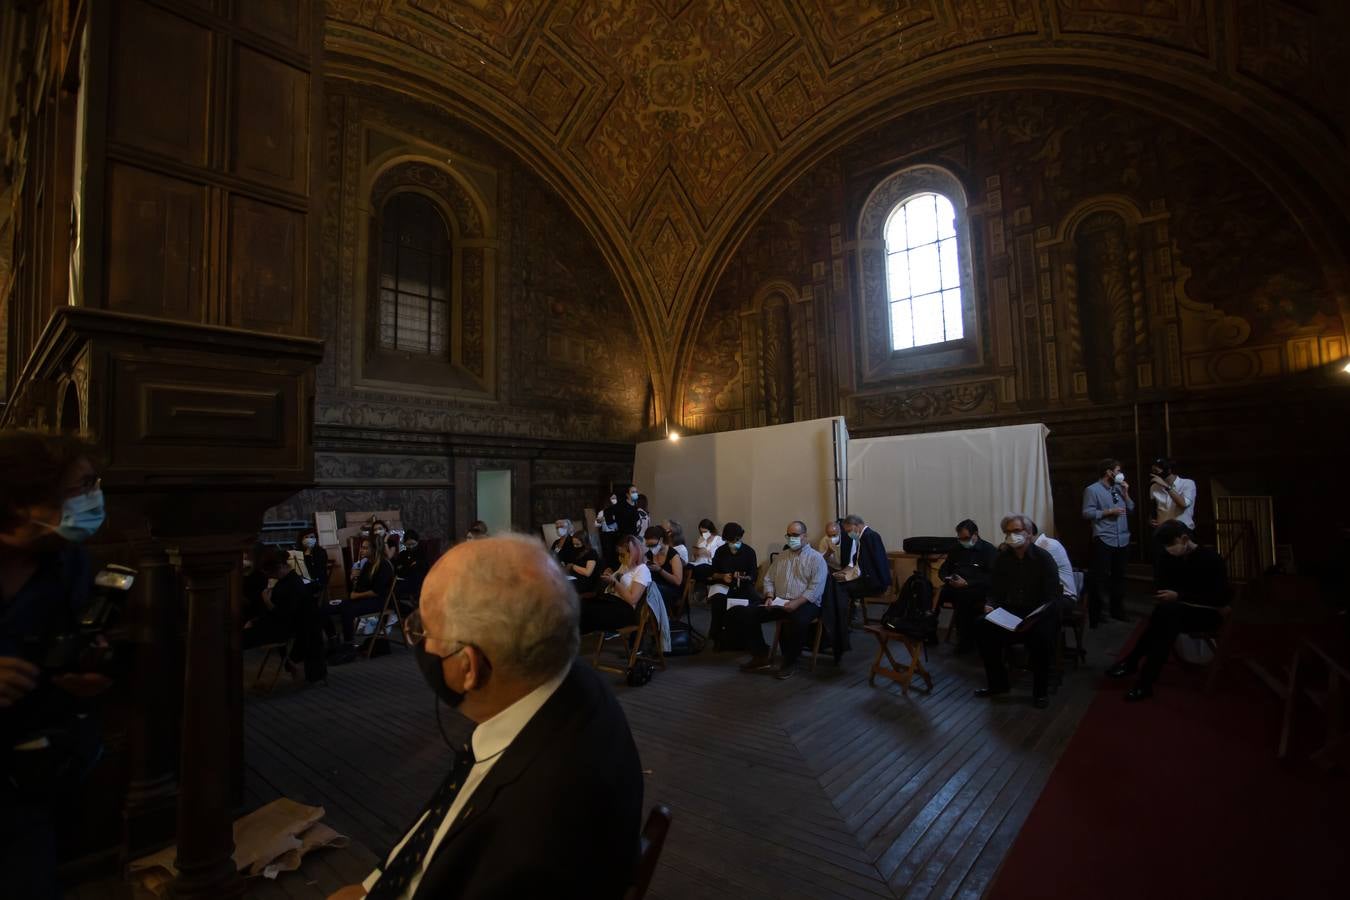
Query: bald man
[547, 798]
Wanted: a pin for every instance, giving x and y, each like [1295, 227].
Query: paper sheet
[737, 601]
[779, 601]
[1004, 619]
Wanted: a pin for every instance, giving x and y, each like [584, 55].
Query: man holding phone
[966, 575]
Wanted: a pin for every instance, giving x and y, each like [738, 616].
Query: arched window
[414, 312]
[923, 272]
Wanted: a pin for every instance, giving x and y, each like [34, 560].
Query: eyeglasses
[415, 630]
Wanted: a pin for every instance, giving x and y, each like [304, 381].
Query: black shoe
[1136, 693]
[1122, 669]
[987, 692]
[784, 673]
[1040, 702]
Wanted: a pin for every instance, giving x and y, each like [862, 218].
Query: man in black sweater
[1192, 596]
[1026, 584]
[966, 575]
[734, 570]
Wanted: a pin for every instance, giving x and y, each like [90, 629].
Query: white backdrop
[923, 484]
[760, 477]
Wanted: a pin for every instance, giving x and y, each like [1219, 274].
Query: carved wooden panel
[179, 414]
[270, 121]
[283, 21]
[160, 62]
[266, 267]
[155, 246]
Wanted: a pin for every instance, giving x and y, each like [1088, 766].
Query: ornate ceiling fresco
[669, 125]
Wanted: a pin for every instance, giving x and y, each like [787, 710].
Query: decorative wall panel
[155, 234]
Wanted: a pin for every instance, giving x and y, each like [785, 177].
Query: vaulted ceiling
[669, 125]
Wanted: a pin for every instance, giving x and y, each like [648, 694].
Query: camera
[85, 648]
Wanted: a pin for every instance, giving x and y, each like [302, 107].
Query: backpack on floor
[912, 613]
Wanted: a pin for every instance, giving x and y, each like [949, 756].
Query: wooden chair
[635, 635]
[650, 842]
[284, 650]
[902, 676]
[1073, 622]
[392, 607]
[818, 626]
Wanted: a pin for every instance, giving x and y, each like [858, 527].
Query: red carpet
[1182, 796]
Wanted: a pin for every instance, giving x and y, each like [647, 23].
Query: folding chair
[1073, 622]
[652, 839]
[902, 675]
[284, 649]
[819, 627]
[635, 635]
[392, 606]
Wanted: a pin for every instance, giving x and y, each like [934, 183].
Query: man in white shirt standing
[1173, 496]
[547, 798]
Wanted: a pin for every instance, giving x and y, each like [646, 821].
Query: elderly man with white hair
[1025, 587]
[547, 798]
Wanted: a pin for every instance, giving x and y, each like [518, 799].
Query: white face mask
[834, 539]
[794, 543]
[1120, 478]
[705, 534]
[1015, 538]
[310, 543]
[563, 529]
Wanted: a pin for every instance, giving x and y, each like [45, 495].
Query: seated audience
[665, 565]
[546, 799]
[797, 575]
[618, 604]
[1192, 596]
[582, 565]
[476, 530]
[701, 554]
[370, 587]
[675, 539]
[866, 571]
[286, 604]
[316, 559]
[734, 570]
[829, 546]
[393, 546]
[1067, 583]
[1025, 584]
[966, 574]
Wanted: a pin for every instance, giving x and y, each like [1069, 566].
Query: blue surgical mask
[794, 543]
[736, 547]
[968, 544]
[633, 496]
[81, 516]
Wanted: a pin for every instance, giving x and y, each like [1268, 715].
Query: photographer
[50, 502]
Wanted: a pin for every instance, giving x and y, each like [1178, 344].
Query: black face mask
[432, 673]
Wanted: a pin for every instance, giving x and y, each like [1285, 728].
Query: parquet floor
[818, 787]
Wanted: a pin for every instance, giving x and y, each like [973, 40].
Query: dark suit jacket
[872, 560]
[558, 815]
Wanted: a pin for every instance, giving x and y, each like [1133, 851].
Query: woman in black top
[373, 581]
[582, 564]
[316, 560]
[285, 604]
[734, 569]
[666, 566]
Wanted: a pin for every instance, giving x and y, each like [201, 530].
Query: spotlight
[674, 435]
[1346, 368]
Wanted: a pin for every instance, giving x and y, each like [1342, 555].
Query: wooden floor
[818, 787]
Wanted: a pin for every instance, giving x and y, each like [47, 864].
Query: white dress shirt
[1061, 558]
[490, 739]
[1167, 509]
[705, 548]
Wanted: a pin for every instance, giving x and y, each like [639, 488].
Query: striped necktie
[394, 881]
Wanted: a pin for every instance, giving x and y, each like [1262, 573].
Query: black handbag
[912, 613]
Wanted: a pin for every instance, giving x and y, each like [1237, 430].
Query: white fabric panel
[923, 484]
[762, 478]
